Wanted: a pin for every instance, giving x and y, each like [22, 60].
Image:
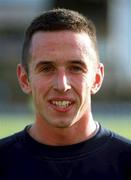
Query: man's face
[63, 71]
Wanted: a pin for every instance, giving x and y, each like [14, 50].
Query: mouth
[61, 105]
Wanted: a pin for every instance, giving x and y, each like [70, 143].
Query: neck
[78, 132]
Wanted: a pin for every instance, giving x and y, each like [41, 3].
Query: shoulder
[113, 142]
[121, 148]
[116, 149]
[10, 142]
[120, 141]
[114, 139]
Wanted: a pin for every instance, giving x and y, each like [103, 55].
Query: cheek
[81, 86]
[39, 83]
[83, 82]
[39, 88]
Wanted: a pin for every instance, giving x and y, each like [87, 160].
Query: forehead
[57, 37]
[61, 43]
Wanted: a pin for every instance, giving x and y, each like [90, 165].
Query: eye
[76, 69]
[47, 68]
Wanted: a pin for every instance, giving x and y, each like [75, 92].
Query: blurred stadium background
[112, 105]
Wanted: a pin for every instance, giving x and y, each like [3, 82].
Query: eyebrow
[78, 62]
[43, 63]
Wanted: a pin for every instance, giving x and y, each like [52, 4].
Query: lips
[61, 105]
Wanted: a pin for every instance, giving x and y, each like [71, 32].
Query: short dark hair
[57, 20]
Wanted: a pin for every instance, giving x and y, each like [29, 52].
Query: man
[61, 70]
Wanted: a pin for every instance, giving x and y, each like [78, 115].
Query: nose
[62, 82]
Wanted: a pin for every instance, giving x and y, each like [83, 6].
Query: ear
[99, 76]
[23, 79]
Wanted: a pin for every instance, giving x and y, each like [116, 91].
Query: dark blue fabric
[106, 156]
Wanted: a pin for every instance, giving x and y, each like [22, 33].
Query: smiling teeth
[61, 104]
